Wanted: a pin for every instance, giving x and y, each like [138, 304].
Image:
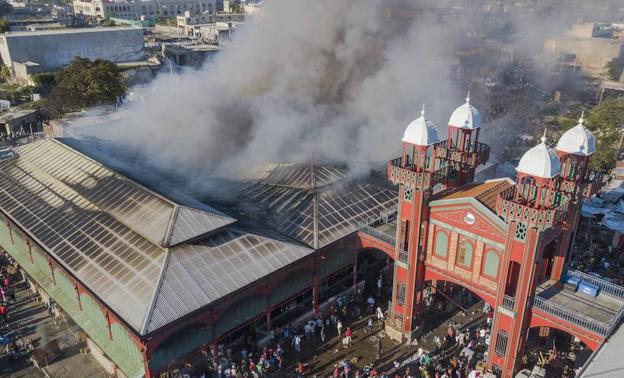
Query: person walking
[348, 337]
[4, 312]
[379, 346]
[380, 314]
[339, 328]
[322, 333]
[297, 342]
[371, 302]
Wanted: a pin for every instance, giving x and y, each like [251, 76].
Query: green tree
[606, 121]
[615, 68]
[5, 73]
[44, 82]
[4, 25]
[85, 83]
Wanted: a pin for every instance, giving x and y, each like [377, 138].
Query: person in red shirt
[348, 337]
[3, 312]
[300, 369]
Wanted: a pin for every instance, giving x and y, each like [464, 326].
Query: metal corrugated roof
[114, 262]
[301, 176]
[112, 233]
[314, 215]
[147, 213]
[200, 273]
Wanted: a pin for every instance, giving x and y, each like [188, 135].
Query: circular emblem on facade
[469, 218]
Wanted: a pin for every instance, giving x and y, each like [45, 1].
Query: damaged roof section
[312, 203]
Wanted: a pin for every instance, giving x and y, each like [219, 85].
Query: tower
[574, 149]
[535, 212]
[417, 171]
[464, 152]
[425, 166]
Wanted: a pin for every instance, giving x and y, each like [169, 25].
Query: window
[400, 294]
[441, 244]
[464, 254]
[490, 264]
[501, 343]
[407, 193]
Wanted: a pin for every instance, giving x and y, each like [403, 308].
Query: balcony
[572, 317]
[599, 315]
[509, 302]
[475, 153]
[403, 255]
[397, 174]
[541, 219]
[605, 286]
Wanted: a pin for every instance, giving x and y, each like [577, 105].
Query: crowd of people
[12, 345]
[287, 348]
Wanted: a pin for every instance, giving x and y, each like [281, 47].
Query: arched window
[464, 254]
[490, 264]
[441, 244]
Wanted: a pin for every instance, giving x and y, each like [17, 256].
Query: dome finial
[544, 137]
[422, 112]
[582, 119]
[468, 97]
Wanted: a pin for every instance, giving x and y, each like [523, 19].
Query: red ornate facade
[505, 241]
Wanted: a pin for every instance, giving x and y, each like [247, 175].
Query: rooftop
[119, 238]
[485, 192]
[603, 308]
[154, 258]
[67, 31]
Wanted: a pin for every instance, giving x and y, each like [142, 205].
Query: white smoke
[306, 79]
[323, 79]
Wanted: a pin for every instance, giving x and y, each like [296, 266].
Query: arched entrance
[556, 350]
[374, 271]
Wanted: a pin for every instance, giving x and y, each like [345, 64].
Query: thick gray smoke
[310, 79]
[321, 79]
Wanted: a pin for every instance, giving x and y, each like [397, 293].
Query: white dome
[540, 161]
[466, 116]
[578, 140]
[420, 132]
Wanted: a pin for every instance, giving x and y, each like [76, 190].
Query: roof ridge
[152, 302]
[114, 172]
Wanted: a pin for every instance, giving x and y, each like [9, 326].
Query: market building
[151, 279]
[153, 275]
[507, 242]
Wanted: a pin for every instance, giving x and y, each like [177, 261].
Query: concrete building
[15, 120]
[27, 52]
[147, 8]
[587, 48]
[214, 28]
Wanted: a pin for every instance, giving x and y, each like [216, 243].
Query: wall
[56, 49]
[120, 348]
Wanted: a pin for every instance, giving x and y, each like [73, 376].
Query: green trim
[91, 320]
[484, 210]
[468, 234]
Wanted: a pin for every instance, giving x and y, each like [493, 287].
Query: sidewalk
[31, 319]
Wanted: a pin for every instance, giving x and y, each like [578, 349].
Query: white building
[148, 8]
[28, 52]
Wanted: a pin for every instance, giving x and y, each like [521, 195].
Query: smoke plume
[320, 80]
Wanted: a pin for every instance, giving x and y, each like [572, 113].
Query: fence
[572, 317]
[509, 302]
[605, 286]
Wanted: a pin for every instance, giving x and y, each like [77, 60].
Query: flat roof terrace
[598, 314]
